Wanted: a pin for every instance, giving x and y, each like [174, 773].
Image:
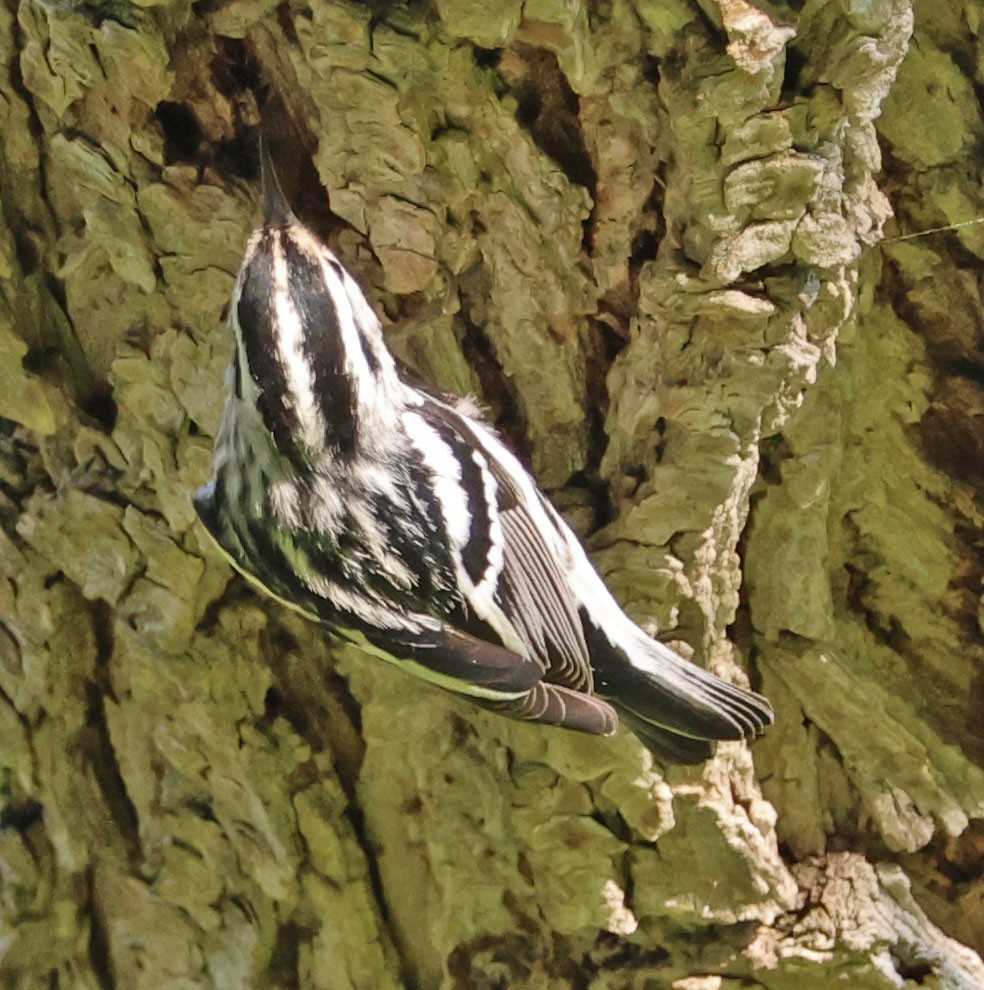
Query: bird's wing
[509, 549]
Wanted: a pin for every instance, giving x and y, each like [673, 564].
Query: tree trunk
[649, 236]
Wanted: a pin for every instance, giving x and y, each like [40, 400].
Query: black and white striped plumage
[401, 522]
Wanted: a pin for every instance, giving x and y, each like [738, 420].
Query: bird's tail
[677, 709]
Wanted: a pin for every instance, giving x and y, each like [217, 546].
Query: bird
[396, 518]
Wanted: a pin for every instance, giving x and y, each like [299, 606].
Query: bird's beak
[276, 209]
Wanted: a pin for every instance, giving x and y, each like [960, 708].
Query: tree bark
[651, 238]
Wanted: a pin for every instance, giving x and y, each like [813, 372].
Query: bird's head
[309, 349]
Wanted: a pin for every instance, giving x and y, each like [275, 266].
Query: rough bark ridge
[645, 233]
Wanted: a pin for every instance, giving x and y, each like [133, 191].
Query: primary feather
[402, 523]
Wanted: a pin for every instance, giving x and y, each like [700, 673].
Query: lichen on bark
[646, 235]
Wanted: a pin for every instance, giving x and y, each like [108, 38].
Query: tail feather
[675, 707]
[668, 746]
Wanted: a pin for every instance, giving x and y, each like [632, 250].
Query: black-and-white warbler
[401, 522]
